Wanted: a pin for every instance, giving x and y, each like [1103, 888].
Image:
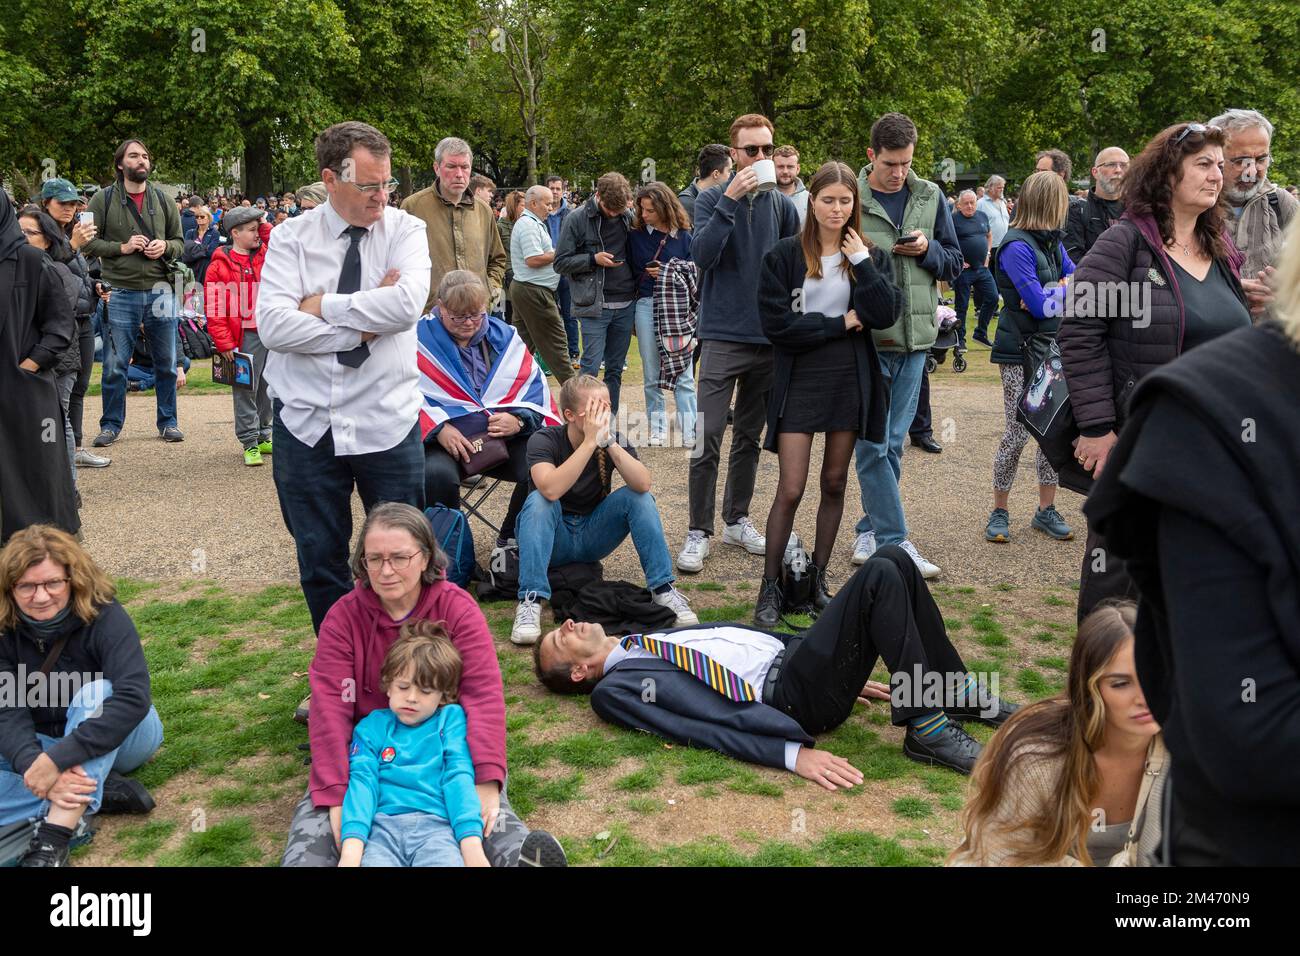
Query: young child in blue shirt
[411, 798]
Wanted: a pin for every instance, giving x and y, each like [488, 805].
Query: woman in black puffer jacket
[1179, 271]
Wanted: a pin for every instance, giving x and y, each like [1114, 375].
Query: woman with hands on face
[817, 291]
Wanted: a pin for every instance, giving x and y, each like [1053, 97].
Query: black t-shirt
[895, 204]
[619, 285]
[551, 444]
[1212, 308]
[972, 236]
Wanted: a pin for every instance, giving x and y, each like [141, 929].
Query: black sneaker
[982, 337]
[105, 437]
[767, 613]
[1003, 709]
[171, 433]
[541, 849]
[950, 747]
[42, 853]
[124, 795]
[821, 597]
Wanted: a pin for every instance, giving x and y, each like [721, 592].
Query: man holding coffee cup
[735, 226]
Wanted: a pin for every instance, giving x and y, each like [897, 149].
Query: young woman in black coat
[818, 294]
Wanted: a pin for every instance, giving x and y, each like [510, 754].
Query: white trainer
[694, 551]
[743, 534]
[528, 621]
[927, 569]
[675, 601]
[864, 546]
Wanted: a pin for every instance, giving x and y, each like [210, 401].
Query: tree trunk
[257, 165]
[404, 177]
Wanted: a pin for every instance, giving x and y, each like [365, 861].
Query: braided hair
[573, 398]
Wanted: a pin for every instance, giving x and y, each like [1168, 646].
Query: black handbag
[1044, 409]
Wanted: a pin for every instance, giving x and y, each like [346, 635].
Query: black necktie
[349, 282]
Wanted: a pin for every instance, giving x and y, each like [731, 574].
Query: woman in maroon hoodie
[1163, 279]
[400, 576]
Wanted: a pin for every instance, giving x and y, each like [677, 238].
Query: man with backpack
[139, 234]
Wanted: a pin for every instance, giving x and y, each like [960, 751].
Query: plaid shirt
[676, 317]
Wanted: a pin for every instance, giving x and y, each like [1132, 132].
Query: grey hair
[966, 192]
[1234, 121]
[994, 180]
[401, 517]
[535, 192]
[451, 146]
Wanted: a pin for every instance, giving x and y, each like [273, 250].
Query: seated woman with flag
[479, 381]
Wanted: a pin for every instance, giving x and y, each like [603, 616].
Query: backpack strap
[52, 657]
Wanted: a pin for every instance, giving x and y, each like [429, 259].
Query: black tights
[794, 452]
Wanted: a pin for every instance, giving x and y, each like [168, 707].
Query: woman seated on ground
[571, 516]
[1077, 779]
[62, 759]
[471, 364]
[400, 577]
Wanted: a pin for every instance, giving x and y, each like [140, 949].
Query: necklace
[1185, 246]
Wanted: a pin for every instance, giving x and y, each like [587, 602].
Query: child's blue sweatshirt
[394, 768]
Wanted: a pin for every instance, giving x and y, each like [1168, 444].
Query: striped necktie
[726, 682]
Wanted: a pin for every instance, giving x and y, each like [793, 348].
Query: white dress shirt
[370, 408]
[744, 651]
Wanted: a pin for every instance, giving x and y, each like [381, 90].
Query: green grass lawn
[197, 379]
[228, 668]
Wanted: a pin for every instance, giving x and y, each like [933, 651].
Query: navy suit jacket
[683, 709]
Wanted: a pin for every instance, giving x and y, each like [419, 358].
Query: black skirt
[823, 395]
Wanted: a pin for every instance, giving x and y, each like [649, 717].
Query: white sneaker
[743, 534]
[658, 441]
[528, 621]
[694, 551]
[927, 569]
[675, 601]
[864, 547]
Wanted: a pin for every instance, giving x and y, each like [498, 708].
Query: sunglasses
[767, 149]
[1196, 128]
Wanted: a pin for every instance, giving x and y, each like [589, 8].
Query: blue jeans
[683, 390]
[986, 299]
[314, 486]
[880, 465]
[606, 338]
[411, 839]
[565, 302]
[127, 309]
[547, 536]
[144, 377]
[17, 803]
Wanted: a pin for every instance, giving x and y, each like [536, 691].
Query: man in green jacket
[138, 233]
[909, 217]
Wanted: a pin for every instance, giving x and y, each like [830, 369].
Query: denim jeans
[127, 310]
[606, 338]
[314, 486]
[986, 299]
[565, 302]
[142, 377]
[17, 803]
[547, 537]
[411, 839]
[880, 465]
[684, 388]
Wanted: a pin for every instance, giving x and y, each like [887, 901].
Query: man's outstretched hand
[824, 768]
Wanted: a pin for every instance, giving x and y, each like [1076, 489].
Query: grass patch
[1032, 682]
[913, 808]
[647, 778]
[1052, 600]
[144, 840]
[229, 843]
[747, 781]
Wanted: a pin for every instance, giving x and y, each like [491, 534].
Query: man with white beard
[1089, 219]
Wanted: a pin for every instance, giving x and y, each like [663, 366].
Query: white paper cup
[766, 170]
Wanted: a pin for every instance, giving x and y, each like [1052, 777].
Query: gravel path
[193, 509]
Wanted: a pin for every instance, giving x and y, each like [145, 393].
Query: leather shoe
[124, 795]
[950, 747]
[982, 337]
[767, 613]
[927, 443]
[1003, 709]
[821, 597]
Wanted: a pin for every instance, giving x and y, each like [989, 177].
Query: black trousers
[921, 426]
[77, 400]
[884, 611]
[442, 478]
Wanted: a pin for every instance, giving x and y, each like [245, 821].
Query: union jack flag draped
[514, 380]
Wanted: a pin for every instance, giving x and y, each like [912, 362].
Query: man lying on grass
[759, 696]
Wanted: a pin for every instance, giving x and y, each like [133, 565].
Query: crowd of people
[401, 350]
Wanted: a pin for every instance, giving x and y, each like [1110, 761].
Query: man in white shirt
[342, 289]
[533, 289]
[760, 696]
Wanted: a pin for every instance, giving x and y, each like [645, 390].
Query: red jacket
[354, 637]
[230, 292]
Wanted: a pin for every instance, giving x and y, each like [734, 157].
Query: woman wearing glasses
[1171, 255]
[470, 367]
[62, 756]
[400, 576]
